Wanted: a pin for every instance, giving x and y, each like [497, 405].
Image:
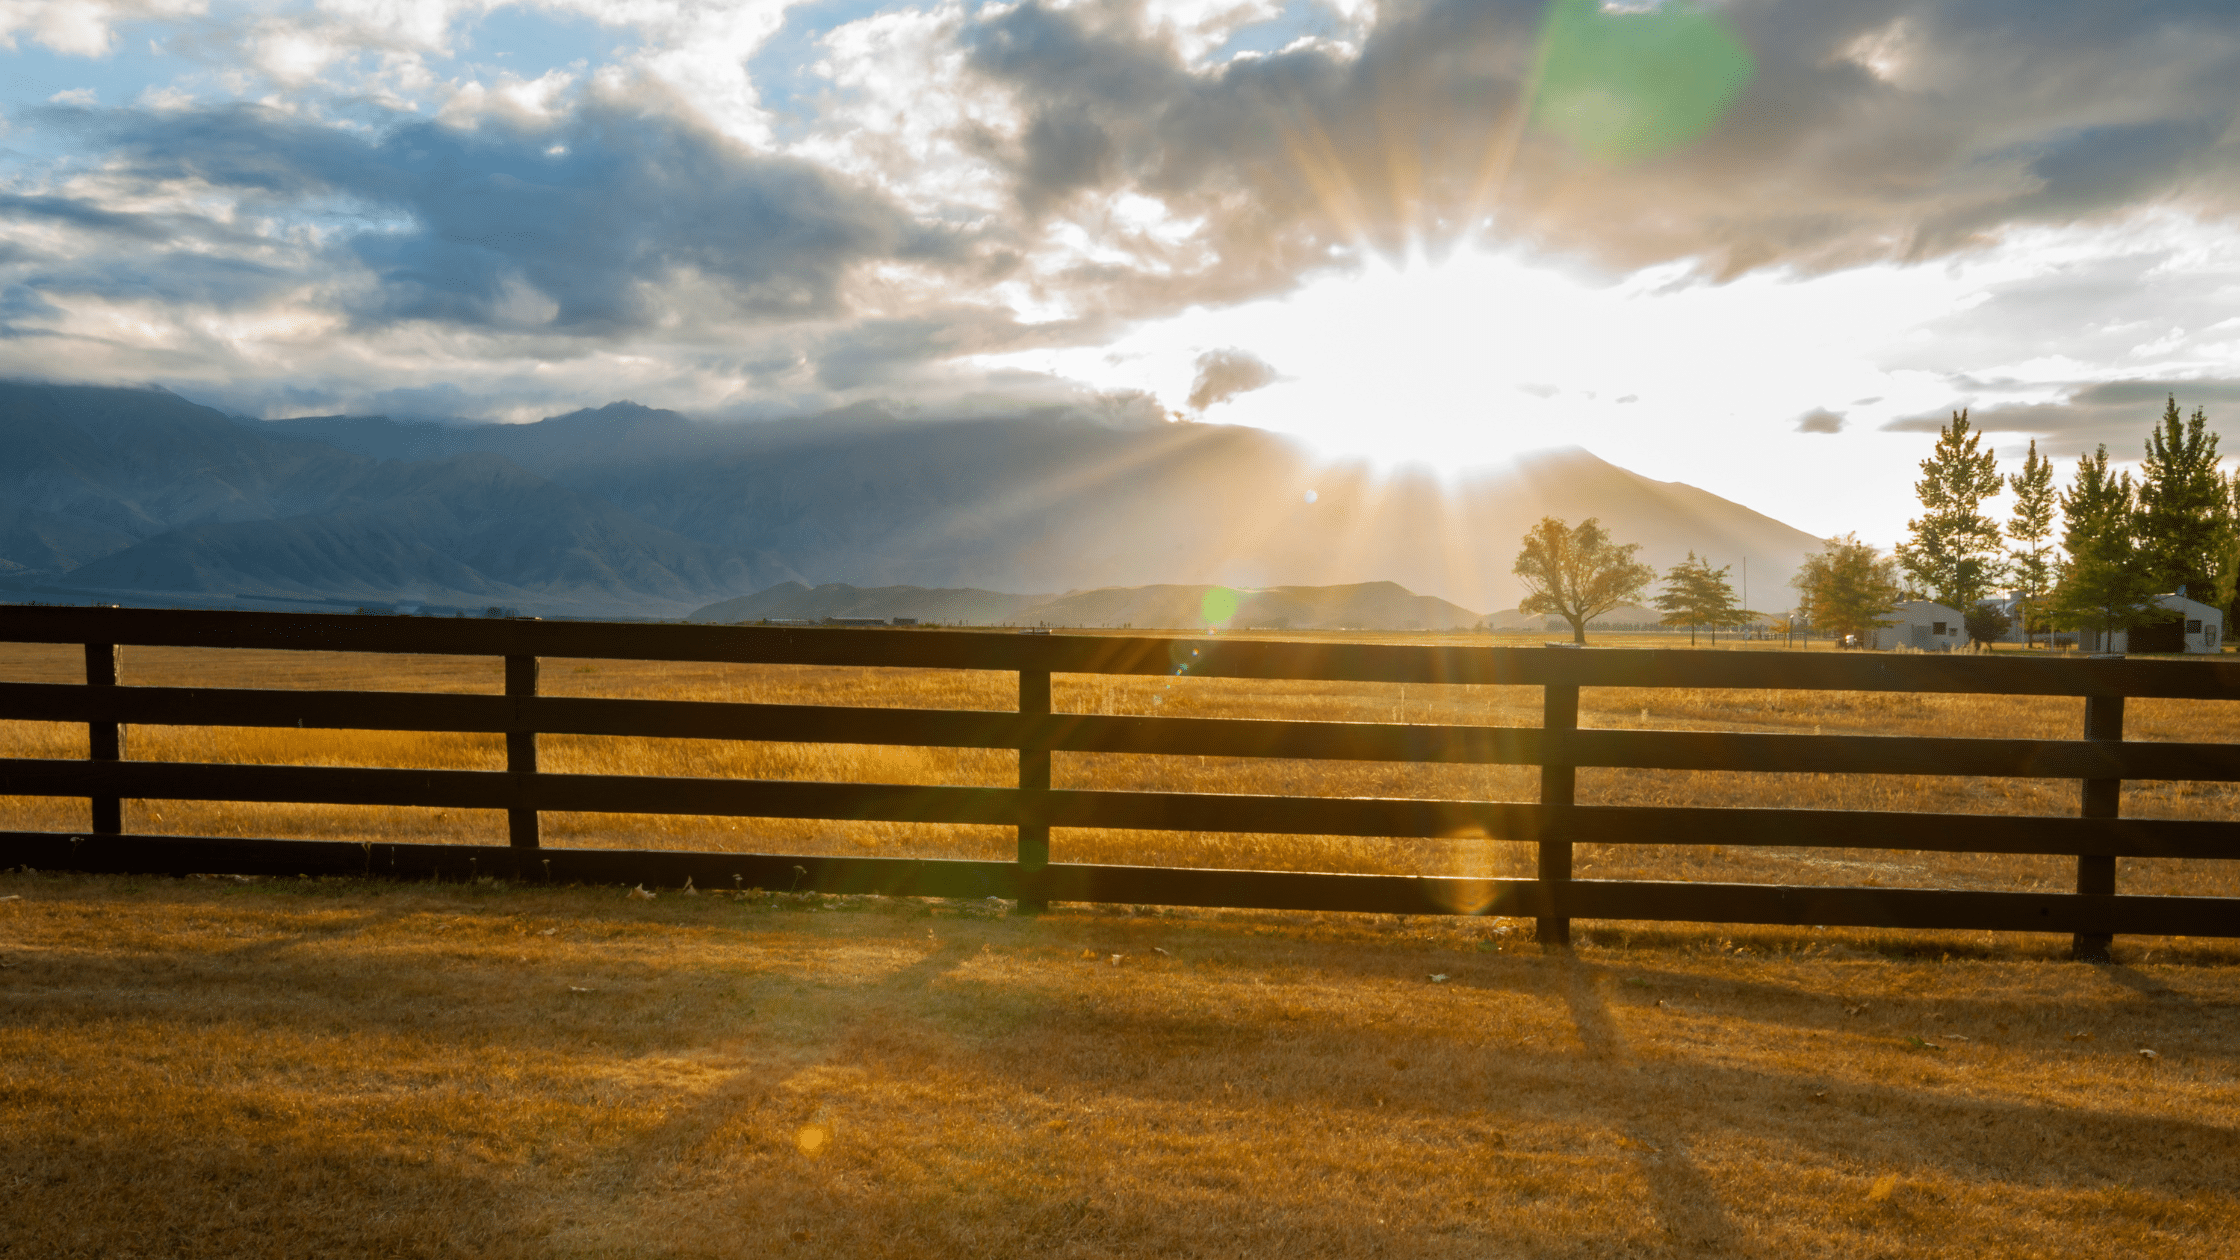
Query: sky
[1765, 247]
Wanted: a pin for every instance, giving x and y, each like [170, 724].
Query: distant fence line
[2101, 759]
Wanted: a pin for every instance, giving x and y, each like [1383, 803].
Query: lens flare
[812, 1139]
[1625, 83]
[1218, 606]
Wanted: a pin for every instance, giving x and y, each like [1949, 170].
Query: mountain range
[141, 496]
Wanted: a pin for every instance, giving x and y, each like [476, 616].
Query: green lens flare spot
[1219, 604]
[1627, 82]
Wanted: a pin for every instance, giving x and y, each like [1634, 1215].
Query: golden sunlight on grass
[287, 1068]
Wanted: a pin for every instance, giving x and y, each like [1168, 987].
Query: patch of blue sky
[41, 90]
[1300, 19]
[33, 74]
[529, 42]
[781, 69]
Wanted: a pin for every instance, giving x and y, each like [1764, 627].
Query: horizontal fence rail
[1099, 654]
[1070, 732]
[2100, 762]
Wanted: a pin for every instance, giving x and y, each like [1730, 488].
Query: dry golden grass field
[208, 1068]
[213, 1067]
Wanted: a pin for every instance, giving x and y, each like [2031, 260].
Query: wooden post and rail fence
[2096, 836]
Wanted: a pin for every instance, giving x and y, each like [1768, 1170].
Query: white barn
[2199, 628]
[2012, 606]
[1920, 624]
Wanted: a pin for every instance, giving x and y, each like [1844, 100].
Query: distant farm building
[1919, 624]
[2198, 627]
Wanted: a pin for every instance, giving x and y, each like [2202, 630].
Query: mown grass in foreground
[284, 1068]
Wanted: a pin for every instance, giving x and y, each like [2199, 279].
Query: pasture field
[222, 1067]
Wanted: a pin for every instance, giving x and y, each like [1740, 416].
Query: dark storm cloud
[1820, 420]
[586, 214]
[1871, 130]
[2117, 413]
[1224, 374]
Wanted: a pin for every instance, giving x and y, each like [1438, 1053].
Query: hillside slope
[1050, 501]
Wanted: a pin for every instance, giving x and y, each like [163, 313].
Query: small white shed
[2198, 628]
[1922, 625]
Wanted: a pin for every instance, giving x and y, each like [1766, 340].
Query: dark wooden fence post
[1034, 784]
[2096, 872]
[1559, 779]
[104, 740]
[521, 751]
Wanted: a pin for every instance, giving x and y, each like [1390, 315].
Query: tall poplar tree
[2104, 585]
[2228, 587]
[2030, 533]
[1954, 551]
[2185, 520]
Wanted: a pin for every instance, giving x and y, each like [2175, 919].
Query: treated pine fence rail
[2096, 837]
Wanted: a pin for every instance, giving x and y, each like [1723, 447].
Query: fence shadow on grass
[1685, 1203]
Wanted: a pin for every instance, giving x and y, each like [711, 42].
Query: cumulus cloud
[931, 182]
[595, 215]
[87, 28]
[1869, 131]
[1224, 374]
[1820, 420]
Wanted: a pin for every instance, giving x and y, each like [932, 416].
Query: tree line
[2120, 543]
[2091, 556]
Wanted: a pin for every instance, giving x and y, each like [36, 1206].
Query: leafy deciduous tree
[1578, 573]
[1954, 550]
[1846, 587]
